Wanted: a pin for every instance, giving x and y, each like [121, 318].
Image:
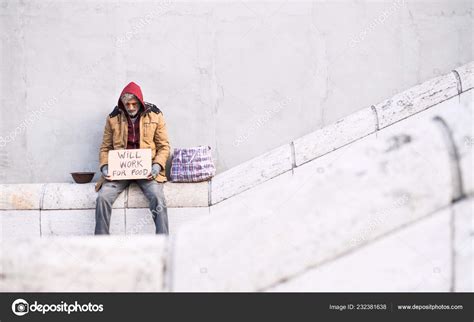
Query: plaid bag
[192, 164]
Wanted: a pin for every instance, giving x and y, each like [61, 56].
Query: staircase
[386, 192]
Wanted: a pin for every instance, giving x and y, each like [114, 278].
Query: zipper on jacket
[133, 127]
[124, 131]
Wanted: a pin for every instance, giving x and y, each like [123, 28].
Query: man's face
[132, 106]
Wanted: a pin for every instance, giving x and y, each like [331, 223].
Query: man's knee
[105, 196]
[158, 200]
[156, 194]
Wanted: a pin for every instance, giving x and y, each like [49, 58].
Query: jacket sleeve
[161, 142]
[106, 145]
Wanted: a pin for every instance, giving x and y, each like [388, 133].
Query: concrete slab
[466, 73]
[20, 196]
[416, 99]
[19, 224]
[84, 264]
[77, 222]
[414, 259]
[463, 245]
[74, 196]
[176, 195]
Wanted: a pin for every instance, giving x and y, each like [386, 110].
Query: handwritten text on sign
[129, 164]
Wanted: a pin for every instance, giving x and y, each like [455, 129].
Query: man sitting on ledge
[134, 124]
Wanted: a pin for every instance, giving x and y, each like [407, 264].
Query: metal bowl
[82, 177]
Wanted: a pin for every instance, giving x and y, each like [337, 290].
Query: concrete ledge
[334, 136]
[20, 196]
[74, 196]
[366, 121]
[251, 173]
[466, 74]
[83, 264]
[416, 99]
[177, 195]
[57, 196]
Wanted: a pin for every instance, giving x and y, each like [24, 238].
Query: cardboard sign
[129, 164]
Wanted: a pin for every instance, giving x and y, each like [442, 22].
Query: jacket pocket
[149, 129]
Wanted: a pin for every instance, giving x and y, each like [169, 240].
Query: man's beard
[130, 114]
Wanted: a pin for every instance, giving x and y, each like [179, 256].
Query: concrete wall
[242, 77]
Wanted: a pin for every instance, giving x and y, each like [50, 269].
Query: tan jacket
[153, 135]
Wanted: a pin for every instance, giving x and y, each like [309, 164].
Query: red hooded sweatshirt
[133, 141]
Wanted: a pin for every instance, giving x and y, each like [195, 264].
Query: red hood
[134, 89]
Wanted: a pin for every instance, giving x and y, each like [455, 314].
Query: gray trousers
[109, 192]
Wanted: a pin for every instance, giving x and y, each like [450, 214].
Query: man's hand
[155, 170]
[105, 172]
